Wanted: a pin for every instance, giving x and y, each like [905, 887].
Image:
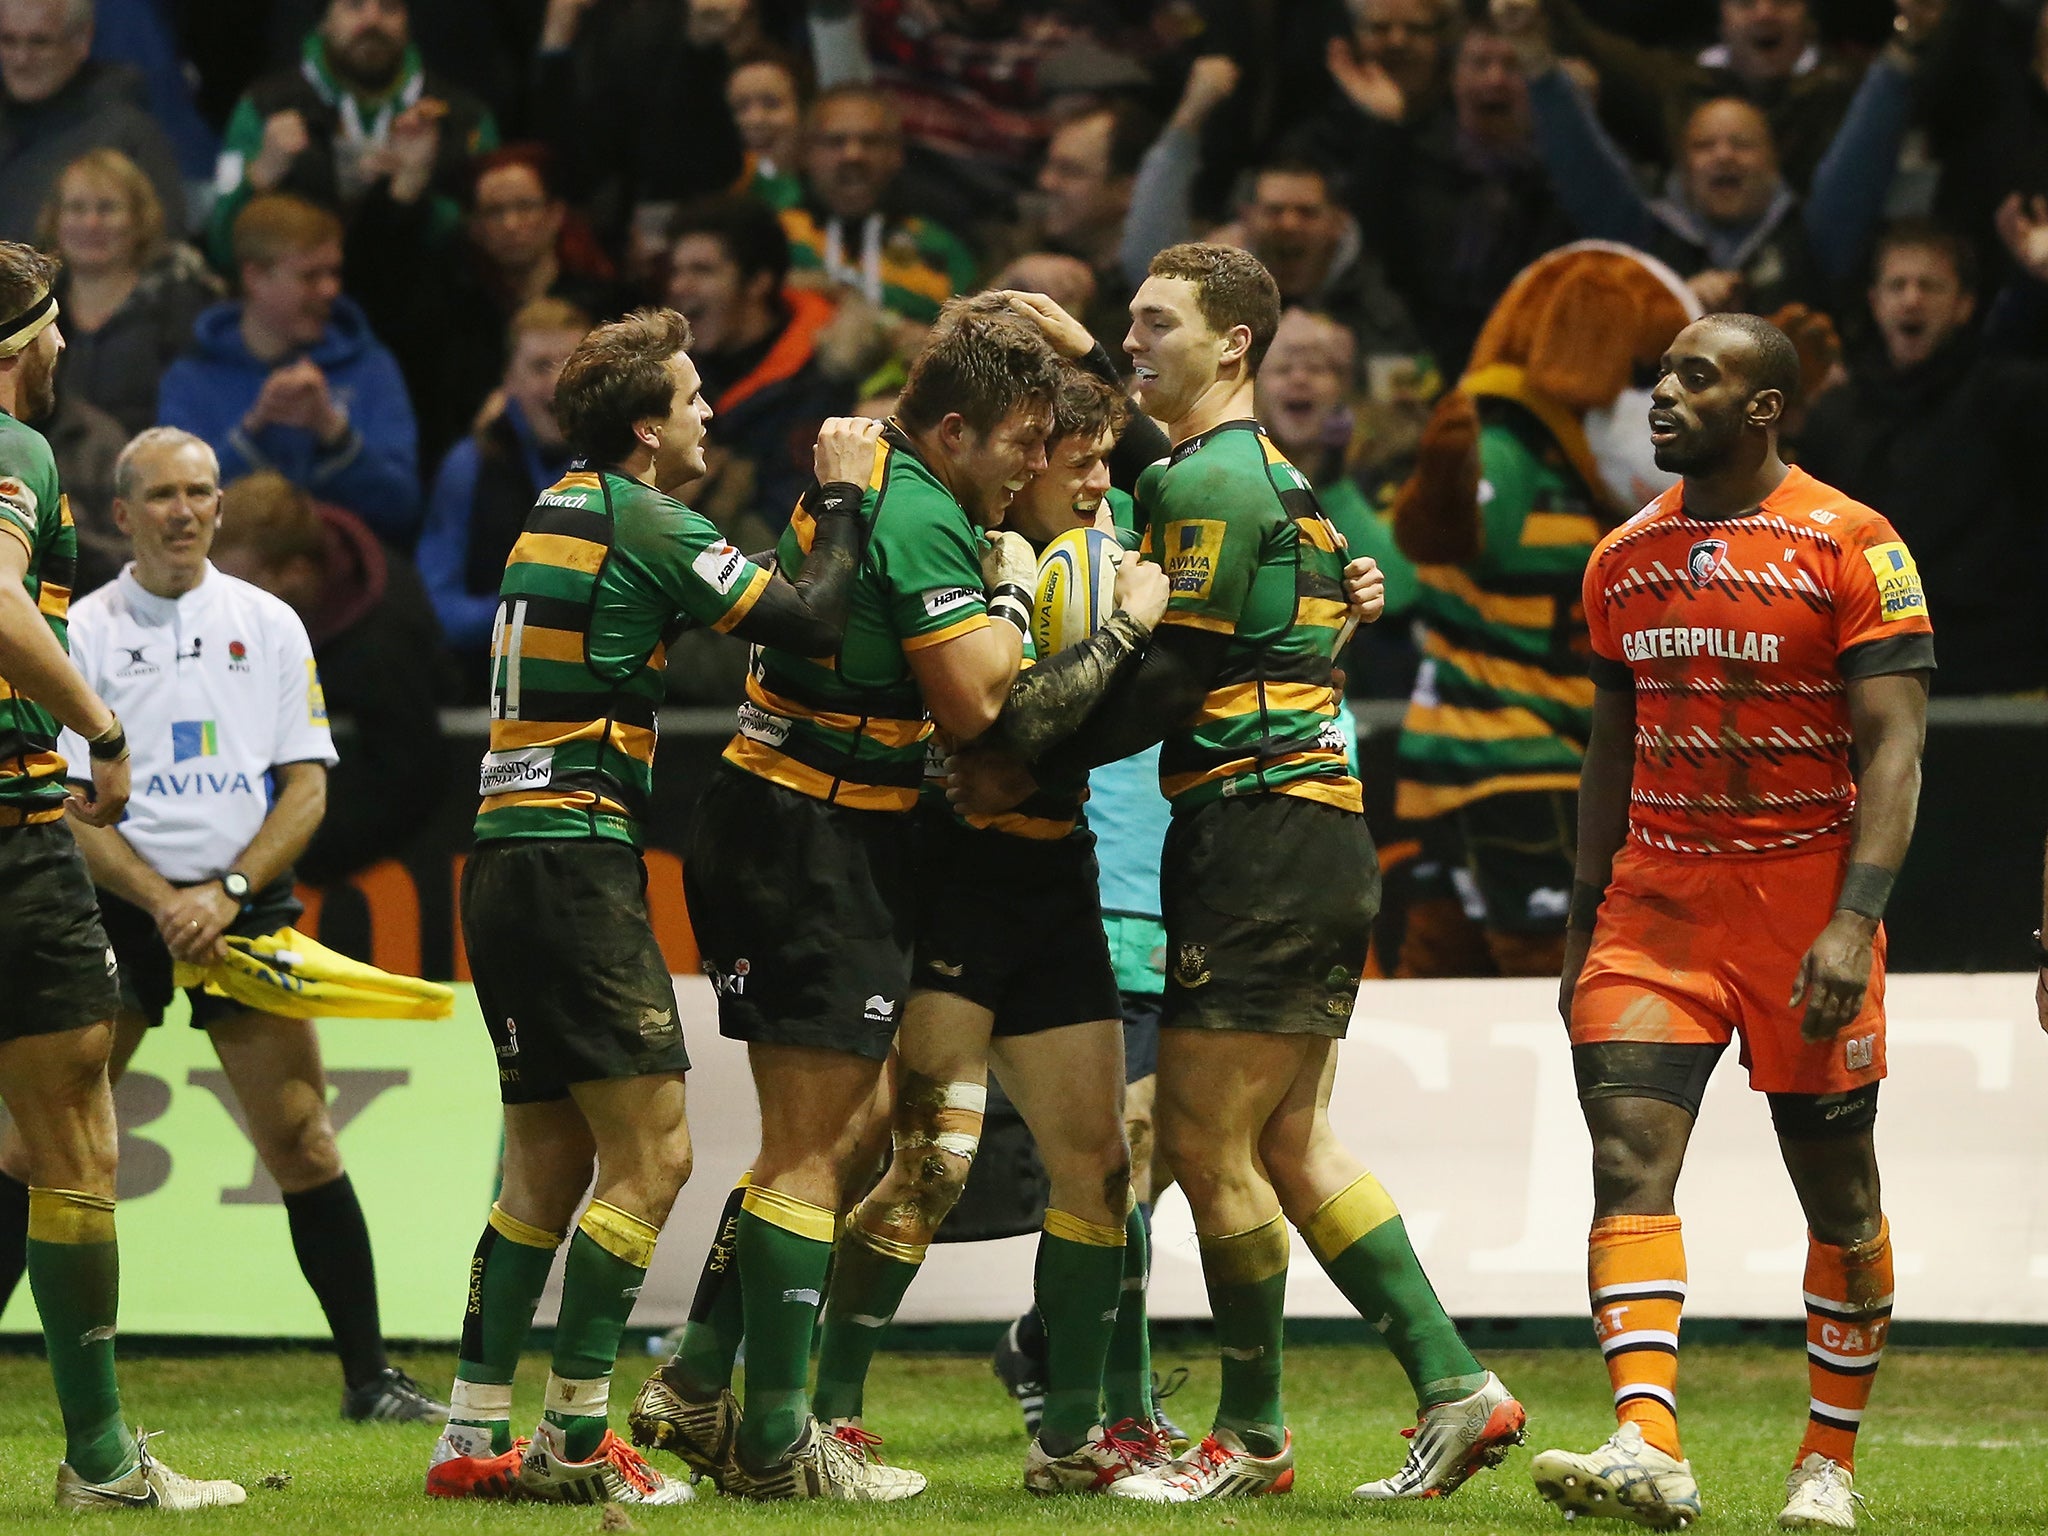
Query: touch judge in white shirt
[215, 681]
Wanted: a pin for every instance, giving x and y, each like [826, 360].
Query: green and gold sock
[1127, 1370]
[785, 1248]
[1079, 1274]
[870, 1273]
[506, 1277]
[1358, 1237]
[608, 1259]
[711, 1337]
[1246, 1274]
[74, 1273]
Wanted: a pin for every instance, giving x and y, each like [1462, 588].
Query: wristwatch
[236, 884]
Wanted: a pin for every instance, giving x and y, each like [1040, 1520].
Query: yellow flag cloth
[288, 974]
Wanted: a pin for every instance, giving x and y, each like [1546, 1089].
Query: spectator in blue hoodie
[290, 378]
[490, 480]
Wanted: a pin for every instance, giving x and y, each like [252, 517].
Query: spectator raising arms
[324, 129]
[128, 290]
[1729, 223]
[58, 103]
[489, 481]
[290, 378]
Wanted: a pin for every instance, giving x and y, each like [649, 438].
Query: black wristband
[110, 746]
[838, 496]
[1865, 890]
[1585, 907]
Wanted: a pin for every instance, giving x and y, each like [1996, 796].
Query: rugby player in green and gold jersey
[801, 882]
[57, 1030]
[1013, 968]
[1270, 884]
[578, 999]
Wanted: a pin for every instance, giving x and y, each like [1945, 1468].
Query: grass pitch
[1955, 1444]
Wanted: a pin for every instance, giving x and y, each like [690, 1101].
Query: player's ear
[1767, 409]
[952, 431]
[648, 429]
[1237, 344]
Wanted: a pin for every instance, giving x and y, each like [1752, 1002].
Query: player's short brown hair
[277, 224]
[25, 275]
[1232, 288]
[270, 517]
[1087, 406]
[983, 360]
[618, 375]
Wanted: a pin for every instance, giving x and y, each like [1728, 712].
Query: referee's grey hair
[149, 441]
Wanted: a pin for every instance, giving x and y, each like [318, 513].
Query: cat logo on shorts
[1703, 561]
[1191, 965]
[1858, 1052]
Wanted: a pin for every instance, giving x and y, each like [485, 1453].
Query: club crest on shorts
[1703, 561]
[1191, 965]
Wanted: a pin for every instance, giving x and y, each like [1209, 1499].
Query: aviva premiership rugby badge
[1898, 582]
[1703, 563]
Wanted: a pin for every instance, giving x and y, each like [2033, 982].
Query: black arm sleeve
[1146, 701]
[808, 616]
[1143, 442]
[1050, 701]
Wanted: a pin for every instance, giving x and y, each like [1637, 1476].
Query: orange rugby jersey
[1739, 637]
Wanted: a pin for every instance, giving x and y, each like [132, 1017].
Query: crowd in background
[351, 242]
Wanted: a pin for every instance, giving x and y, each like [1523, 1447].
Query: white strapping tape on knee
[972, 1096]
[959, 1143]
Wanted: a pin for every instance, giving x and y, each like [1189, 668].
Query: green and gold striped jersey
[1503, 703]
[1249, 554]
[33, 510]
[605, 574]
[850, 729]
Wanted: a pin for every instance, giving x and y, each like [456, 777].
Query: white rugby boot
[1624, 1479]
[614, 1474]
[1219, 1468]
[1820, 1495]
[1108, 1456]
[149, 1484]
[1450, 1442]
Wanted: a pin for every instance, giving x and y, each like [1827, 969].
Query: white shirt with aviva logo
[215, 689]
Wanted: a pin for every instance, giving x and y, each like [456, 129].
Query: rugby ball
[1076, 589]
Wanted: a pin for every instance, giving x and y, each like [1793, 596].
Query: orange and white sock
[1848, 1315]
[1635, 1272]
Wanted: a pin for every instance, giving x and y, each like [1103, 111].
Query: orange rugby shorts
[1695, 949]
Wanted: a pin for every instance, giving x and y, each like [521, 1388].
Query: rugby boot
[1108, 1456]
[1219, 1468]
[461, 1468]
[1450, 1442]
[703, 1434]
[1820, 1495]
[394, 1397]
[149, 1484]
[1022, 1375]
[828, 1462]
[615, 1474]
[1624, 1479]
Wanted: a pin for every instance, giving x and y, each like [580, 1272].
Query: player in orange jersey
[1761, 655]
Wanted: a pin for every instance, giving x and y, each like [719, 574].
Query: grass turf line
[1955, 1444]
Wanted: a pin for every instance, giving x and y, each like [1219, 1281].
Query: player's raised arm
[1888, 716]
[808, 615]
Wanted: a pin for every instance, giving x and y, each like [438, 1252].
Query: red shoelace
[863, 1443]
